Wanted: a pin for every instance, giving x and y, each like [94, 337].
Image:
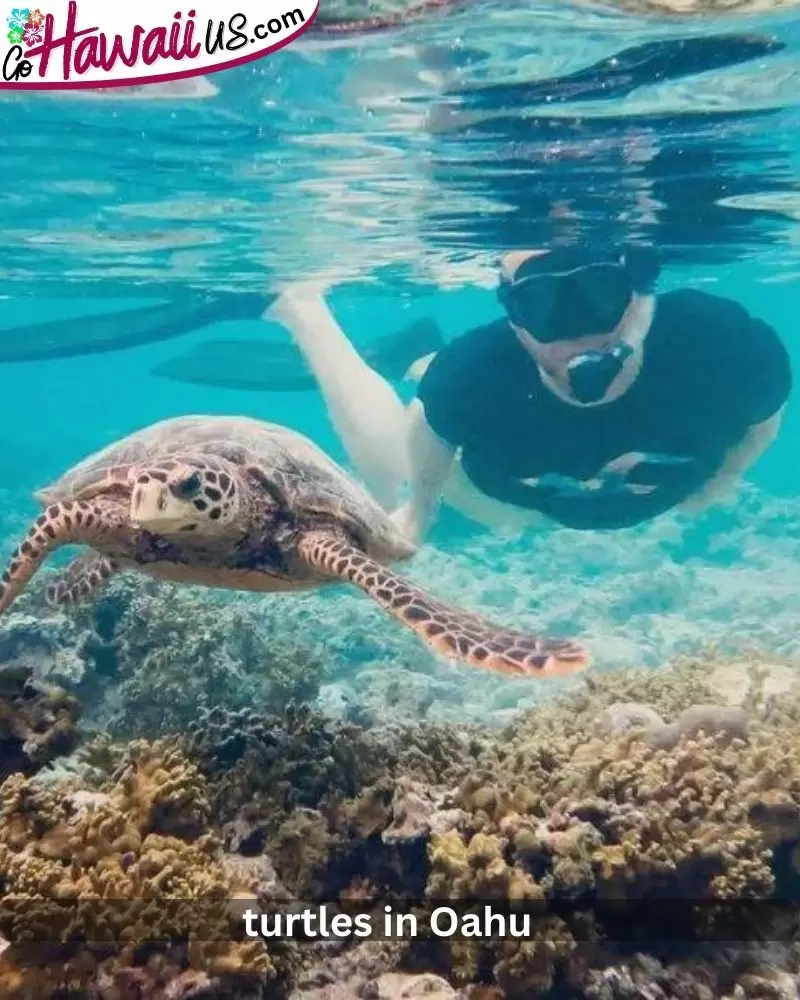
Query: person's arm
[758, 379]
[737, 461]
[443, 415]
[430, 460]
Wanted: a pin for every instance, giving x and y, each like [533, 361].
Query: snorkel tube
[590, 374]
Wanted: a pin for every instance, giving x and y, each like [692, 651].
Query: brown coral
[118, 869]
[37, 722]
[569, 806]
[691, 810]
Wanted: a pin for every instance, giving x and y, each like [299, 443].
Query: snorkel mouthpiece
[592, 372]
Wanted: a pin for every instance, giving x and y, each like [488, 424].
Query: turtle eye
[188, 487]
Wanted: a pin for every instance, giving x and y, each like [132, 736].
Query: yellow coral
[555, 811]
[526, 968]
[162, 790]
[101, 870]
[551, 811]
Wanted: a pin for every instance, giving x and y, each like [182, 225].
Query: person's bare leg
[367, 414]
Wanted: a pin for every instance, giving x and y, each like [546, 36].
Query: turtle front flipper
[85, 575]
[449, 631]
[67, 523]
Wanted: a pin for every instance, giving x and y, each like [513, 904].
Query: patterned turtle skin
[238, 503]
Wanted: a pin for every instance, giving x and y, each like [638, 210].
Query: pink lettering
[155, 46]
[67, 40]
[192, 51]
[86, 55]
[95, 50]
[109, 59]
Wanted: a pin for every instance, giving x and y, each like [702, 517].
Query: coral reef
[51, 647]
[563, 815]
[38, 722]
[597, 798]
[181, 649]
[696, 719]
[104, 874]
[625, 806]
[145, 658]
[329, 801]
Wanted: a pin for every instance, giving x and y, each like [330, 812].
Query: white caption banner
[73, 44]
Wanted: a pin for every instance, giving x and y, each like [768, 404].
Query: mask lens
[590, 300]
[530, 302]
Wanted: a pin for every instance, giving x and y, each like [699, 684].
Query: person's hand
[600, 485]
[612, 478]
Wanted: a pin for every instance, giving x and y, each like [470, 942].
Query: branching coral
[329, 800]
[634, 786]
[572, 806]
[274, 763]
[54, 648]
[150, 655]
[178, 649]
[117, 869]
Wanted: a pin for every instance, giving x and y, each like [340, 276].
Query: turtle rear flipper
[84, 576]
[449, 631]
[67, 523]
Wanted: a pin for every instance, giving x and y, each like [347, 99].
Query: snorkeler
[593, 401]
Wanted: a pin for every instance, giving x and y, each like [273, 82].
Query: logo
[93, 44]
[25, 26]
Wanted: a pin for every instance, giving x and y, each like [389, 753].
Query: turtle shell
[307, 479]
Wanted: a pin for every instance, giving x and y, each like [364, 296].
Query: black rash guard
[709, 372]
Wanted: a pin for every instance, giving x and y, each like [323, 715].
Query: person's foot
[294, 298]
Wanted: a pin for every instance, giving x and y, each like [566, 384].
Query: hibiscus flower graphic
[32, 35]
[18, 19]
[15, 36]
[35, 18]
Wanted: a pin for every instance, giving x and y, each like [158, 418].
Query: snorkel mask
[573, 292]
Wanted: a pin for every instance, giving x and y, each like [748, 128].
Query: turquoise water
[307, 748]
[396, 166]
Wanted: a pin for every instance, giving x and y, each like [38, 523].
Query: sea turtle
[237, 503]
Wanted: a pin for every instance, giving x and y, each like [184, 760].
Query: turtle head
[177, 498]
